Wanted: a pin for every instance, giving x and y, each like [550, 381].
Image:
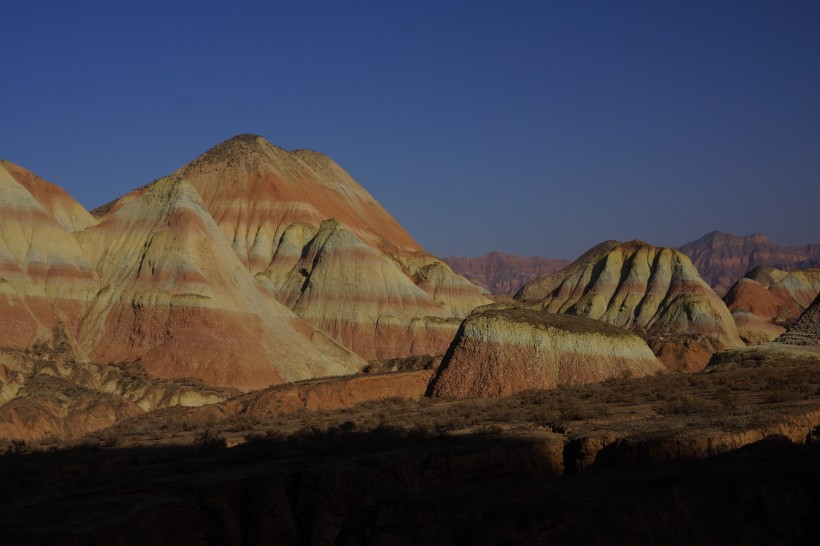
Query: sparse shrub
[208, 441]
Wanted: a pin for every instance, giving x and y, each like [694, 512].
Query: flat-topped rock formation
[504, 273]
[645, 288]
[722, 258]
[503, 351]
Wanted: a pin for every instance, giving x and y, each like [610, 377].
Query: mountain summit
[322, 245]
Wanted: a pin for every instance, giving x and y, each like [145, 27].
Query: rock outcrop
[767, 300]
[806, 331]
[503, 351]
[504, 273]
[722, 258]
[323, 246]
[645, 288]
[175, 295]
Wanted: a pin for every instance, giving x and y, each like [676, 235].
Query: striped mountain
[318, 241]
[653, 290]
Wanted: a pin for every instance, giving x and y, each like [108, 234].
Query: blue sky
[538, 128]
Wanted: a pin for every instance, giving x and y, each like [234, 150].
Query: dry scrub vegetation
[732, 396]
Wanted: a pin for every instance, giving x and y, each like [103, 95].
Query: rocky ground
[728, 455]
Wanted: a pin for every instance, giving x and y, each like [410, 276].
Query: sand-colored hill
[722, 258]
[175, 295]
[323, 245]
[504, 273]
[767, 300]
[45, 279]
[503, 351]
[641, 287]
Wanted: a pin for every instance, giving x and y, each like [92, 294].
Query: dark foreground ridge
[389, 486]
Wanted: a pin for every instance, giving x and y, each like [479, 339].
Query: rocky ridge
[806, 331]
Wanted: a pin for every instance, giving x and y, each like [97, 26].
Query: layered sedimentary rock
[722, 258]
[767, 300]
[503, 273]
[175, 295]
[806, 331]
[503, 351]
[323, 246]
[46, 281]
[638, 286]
[60, 205]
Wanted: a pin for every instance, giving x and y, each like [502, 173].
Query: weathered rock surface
[722, 258]
[333, 393]
[503, 273]
[175, 295]
[649, 289]
[806, 331]
[323, 246]
[767, 300]
[46, 393]
[503, 351]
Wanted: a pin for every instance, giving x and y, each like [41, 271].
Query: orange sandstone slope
[175, 295]
[323, 246]
[646, 288]
[767, 300]
[45, 280]
[504, 273]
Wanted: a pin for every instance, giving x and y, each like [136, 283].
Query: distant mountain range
[504, 273]
[721, 259]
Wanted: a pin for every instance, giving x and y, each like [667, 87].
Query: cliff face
[323, 246]
[500, 352]
[504, 273]
[638, 286]
[722, 258]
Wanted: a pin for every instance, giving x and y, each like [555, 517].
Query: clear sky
[538, 128]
